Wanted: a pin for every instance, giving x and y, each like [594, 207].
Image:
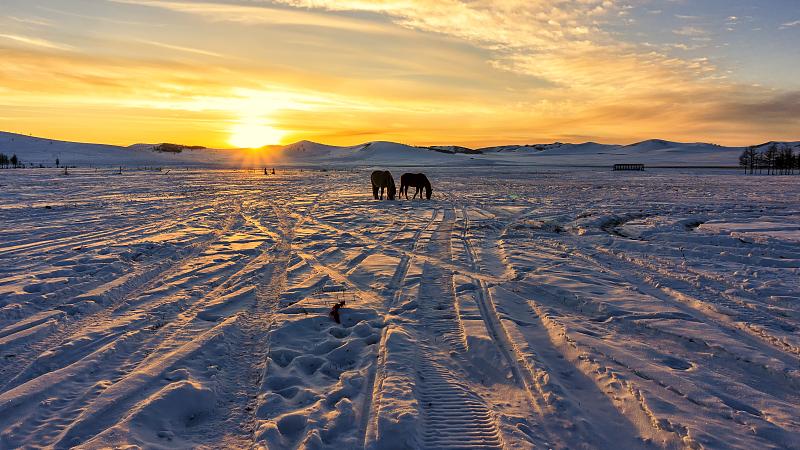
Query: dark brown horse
[383, 179]
[418, 181]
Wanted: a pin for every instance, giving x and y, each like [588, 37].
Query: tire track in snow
[436, 291]
[556, 429]
[694, 301]
[522, 377]
[405, 260]
[186, 333]
[708, 301]
[567, 402]
[234, 424]
[453, 415]
[583, 411]
[685, 299]
[159, 347]
[420, 256]
[88, 240]
[372, 399]
[63, 258]
[722, 363]
[133, 285]
[72, 240]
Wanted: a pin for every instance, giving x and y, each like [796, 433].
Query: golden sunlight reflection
[254, 133]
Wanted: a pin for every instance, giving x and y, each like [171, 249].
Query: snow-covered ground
[516, 309]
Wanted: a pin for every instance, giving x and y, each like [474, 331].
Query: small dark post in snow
[335, 311]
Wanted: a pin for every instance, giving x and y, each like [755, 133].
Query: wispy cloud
[690, 31]
[31, 21]
[96, 17]
[258, 15]
[37, 42]
[180, 48]
[786, 25]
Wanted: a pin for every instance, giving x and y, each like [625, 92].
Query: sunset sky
[229, 73]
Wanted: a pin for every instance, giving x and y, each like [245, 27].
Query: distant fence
[628, 166]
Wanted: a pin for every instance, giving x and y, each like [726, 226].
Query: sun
[253, 134]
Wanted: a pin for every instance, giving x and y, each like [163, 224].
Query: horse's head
[391, 189]
[427, 184]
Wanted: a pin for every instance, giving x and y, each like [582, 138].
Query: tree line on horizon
[775, 158]
[7, 162]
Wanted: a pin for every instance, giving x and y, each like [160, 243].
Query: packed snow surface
[515, 309]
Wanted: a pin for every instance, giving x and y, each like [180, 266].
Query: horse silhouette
[418, 181]
[382, 179]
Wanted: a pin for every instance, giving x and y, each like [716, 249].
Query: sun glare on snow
[253, 134]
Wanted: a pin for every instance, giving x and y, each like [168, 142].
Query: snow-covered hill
[653, 152]
[35, 151]
[793, 145]
[378, 152]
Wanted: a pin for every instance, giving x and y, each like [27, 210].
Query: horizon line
[529, 144]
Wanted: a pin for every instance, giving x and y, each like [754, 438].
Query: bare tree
[785, 160]
[748, 159]
[769, 157]
[796, 161]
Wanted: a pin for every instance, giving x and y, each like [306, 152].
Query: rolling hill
[36, 151]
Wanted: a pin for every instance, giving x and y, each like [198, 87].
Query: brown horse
[418, 181]
[383, 179]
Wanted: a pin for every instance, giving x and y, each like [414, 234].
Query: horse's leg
[381, 193]
[416, 190]
[374, 191]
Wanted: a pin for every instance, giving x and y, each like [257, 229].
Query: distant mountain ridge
[34, 150]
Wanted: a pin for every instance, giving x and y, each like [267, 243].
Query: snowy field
[538, 309]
